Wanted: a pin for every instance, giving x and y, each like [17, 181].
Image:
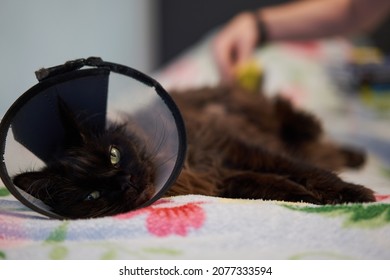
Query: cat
[240, 145]
[92, 177]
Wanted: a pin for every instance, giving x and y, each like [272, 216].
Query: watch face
[91, 142]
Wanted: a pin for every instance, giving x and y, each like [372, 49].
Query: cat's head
[99, 173]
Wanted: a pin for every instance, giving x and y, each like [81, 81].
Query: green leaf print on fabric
[56, 237]
[4, 192]
[59, 233]
[362, 215]
[109, 255]
[2, 255]
[320, 255]
[58, 253]
[162, 251]
[386, 171]
[114, 252]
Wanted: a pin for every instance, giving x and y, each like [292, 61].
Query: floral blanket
[199, 227]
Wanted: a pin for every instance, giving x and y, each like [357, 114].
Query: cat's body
[240, 145]
[243, 145]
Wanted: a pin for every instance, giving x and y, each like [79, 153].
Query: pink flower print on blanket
[163, 220]
[382, 197]
[12, 234]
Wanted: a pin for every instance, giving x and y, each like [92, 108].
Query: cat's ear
[36, 184]
[74, 132]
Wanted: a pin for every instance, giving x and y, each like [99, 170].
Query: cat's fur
[240, 145]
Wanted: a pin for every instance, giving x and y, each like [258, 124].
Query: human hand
[235, 43]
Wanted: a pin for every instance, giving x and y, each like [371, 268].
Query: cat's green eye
[92, 196]
[115, 156]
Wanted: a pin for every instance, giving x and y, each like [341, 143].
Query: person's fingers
[234, 44]
[224, 52]
[247, 41]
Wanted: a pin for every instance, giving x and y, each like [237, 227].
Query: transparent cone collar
[32, 131]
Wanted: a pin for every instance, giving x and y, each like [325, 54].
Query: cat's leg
[296, 127]
[354, 158]
[301, 132]
[326, 186]
[329, 155]
[266, 186]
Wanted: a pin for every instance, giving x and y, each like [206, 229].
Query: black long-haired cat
[240, 145]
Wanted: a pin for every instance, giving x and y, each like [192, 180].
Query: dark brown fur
[240, 145]
[244, 145]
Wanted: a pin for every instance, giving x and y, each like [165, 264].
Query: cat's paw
[351, 193]
[354, 158]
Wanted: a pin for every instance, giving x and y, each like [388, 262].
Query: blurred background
[43, 33]
[144, 34]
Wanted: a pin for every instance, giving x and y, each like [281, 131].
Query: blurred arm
[321, 18]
